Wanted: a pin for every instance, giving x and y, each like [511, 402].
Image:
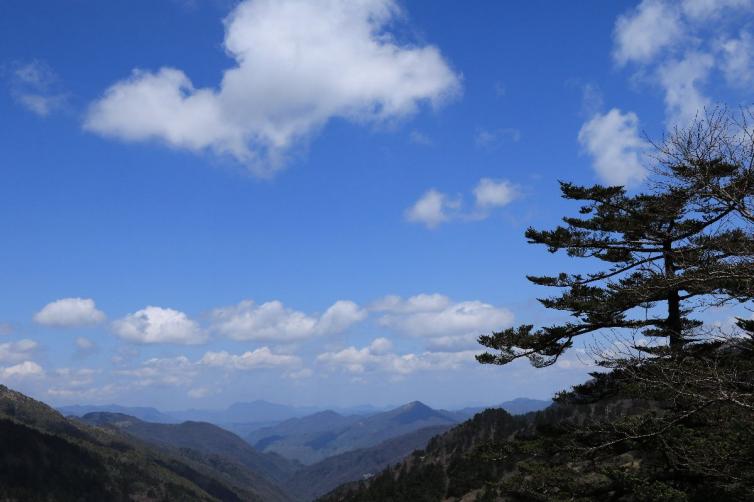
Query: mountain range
[316, 437]
[46, 456]
[298, 458]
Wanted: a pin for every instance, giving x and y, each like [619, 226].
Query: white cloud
[432, 209]
[6, 329]
[435, 208]
[32, 86]
[80, 394]
[170, 371]
[446, 324]
[677, 44]
[262, 357]
[380, 346]
[298, 64]
[69, 312]
[681, 80]
[738, 60]
[84, 344]
[422, 302]
[375, 357]
[494, 193]
[272, 321]
[13, 352]
[26, 369]
[339, 317]
[704, 10]
[646, 31]
[489, 138]
[301, 374]
[613, 142]
[159, 325]
[74, 377]
[199, 392]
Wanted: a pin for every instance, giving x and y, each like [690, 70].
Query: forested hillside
[610, 439]
[45, 456]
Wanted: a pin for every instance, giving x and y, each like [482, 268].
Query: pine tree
[684, 243]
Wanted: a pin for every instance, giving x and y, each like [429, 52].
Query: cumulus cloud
[704, 10]
[738, 59]
[432, 209]
[13, 352]
[641, 34]
[74, 377]
[380, 346]
[169, 371]
[682, 80]
[84, 344]
[88, 393]
[24, 370]
[262, 357]
[69, 313]
[339, 317]
[435, 208]
[376, 357]
[677, 44]
[613, 142]
[418, 303]
[159, 325]
[494, 193]
[199, 392]
[446, 324]
[272, 321]
[34, 86]
[298, 64]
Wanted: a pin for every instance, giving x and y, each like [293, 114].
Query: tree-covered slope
[201, 437]
[44, 456]
[324, 435]
[317, 479]
[656, 430]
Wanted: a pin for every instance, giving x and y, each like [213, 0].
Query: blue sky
[316, 203]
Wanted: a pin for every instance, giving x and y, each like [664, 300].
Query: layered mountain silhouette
[318, 479]
[147, 414]
[316, 437]
[285, 454]
[201, 437]
[45, 456]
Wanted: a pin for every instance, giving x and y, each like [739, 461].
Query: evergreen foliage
[684, 244]
[669, 421]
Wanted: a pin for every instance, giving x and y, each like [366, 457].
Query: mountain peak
[414, 405]
[414, 412]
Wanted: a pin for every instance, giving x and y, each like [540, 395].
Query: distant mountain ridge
[265, 412]
[245, 412]
[46, 456]
[202, 437]
[296, 459]
[145, 413]
[314, 438]
[518, 406]
[317, 479]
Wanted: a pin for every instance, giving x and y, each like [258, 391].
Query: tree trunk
[674, 322]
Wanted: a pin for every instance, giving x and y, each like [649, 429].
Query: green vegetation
[44, 456]
[672, 418]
